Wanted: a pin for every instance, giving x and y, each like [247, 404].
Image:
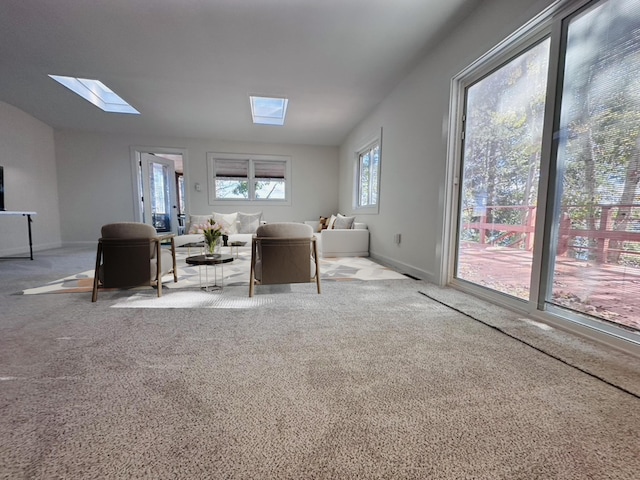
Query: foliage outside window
[249, 178]
[502, 148]
[368, 178]
[589, 263]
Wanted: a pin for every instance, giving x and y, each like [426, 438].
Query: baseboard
[404, 268]
[24, 250]
[343, 254]
[618, 343]
[86, 243]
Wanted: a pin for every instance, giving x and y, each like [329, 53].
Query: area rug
[235, 273]
[299, 296]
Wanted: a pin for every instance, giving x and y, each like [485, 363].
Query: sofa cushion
[331, 221]
[345, 243]
[248, 222]
[228, 220]
[241, 237]
[343, 223]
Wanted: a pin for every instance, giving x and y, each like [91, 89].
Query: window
[583, 150]
[596, 266]
[269, 179]
[268, 110]
[501, 165]
[249, 178]
[231, 178]
[368, 178]
[97, 93]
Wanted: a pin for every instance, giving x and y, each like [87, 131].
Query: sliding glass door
[596, 265]
[501, 166]
[587, 262]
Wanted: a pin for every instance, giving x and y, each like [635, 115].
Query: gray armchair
[284, 253]
[129, 255]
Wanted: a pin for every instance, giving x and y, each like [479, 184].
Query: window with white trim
[548, 194]
[249, 178]
[368, 177]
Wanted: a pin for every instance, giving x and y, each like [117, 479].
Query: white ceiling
[189, 66]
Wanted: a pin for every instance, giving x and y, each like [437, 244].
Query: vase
[213, 247]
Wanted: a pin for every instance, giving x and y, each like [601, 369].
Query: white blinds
[231, 168]
[270, 169]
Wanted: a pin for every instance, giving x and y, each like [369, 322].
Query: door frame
[136, 152]
[171, 203]
[547, 22]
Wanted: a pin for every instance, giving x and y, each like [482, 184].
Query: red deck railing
[573, 236]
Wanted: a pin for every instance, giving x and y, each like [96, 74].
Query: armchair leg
[252, 280]
[252, 270]
[158, 267]
[173, 254]
[317, 262]
[94, 294]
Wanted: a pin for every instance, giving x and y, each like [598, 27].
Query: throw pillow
[331, 221]
[322, 223]
[248, 222]
[228, 220]
[197, 220]
[343, 222]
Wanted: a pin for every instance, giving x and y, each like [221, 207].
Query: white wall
[27, 154]
[96, 179]
[414, 118]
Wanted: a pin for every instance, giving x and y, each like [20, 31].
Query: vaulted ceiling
[189, 66]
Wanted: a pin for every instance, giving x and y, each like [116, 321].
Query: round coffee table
[237, 245]
[206, 260]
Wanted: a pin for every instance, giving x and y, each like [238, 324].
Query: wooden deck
[609, 292]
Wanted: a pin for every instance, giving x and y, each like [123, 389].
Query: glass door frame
[517, 44]
[137, 181]
[612, 334]
[550, 23]
[170, 192]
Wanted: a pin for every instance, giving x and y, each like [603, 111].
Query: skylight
[97, 93]
[268, 110]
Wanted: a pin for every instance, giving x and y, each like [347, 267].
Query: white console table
[29, 220]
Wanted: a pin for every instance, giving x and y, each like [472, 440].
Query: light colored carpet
[370, 380]
[235, 273]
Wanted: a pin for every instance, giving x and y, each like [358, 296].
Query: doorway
[159, 190]
[545, 181]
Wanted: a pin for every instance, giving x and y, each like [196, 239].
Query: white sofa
[241, 227]
[353, 242]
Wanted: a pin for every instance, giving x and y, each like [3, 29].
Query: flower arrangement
[212, 232]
